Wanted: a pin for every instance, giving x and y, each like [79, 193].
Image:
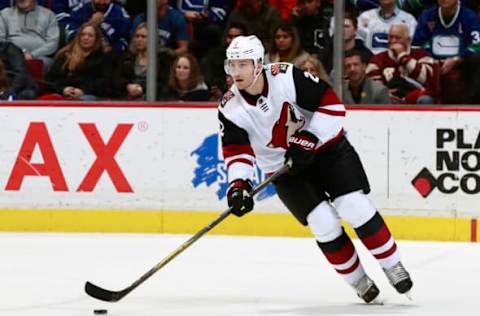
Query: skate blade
[377, 301]
[409, 295]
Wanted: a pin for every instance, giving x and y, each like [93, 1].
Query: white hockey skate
[399, 279]
[366, 289]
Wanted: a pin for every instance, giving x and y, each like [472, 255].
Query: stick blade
[103, 294]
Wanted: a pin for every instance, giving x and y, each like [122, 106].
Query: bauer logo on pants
[210, 169]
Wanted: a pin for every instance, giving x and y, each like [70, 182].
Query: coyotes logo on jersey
[275, 69]
[226, 96]
[285, 127]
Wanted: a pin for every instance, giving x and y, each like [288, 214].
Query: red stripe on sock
[351, 269]
[343, 255]
[242, 160]
[378, 239]
[387, 253]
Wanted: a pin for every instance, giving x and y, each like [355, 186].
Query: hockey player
[278, 112]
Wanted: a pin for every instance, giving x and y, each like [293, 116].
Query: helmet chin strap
[256, 76]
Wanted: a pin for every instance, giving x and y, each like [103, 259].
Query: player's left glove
[301, 151]
[239, 196]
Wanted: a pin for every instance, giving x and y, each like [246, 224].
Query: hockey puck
[100, 311]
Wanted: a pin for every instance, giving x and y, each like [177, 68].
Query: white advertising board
[420, 162]
[167, 158]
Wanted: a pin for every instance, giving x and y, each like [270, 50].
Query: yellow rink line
[254, 224]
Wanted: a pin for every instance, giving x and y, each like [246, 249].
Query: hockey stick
[114, 296]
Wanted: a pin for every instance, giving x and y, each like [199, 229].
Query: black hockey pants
[337, 170]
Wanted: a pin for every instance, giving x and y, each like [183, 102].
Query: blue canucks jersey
[458, 37]
[116, 24]
[216, 9]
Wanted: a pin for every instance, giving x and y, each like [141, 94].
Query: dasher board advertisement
[419, 161]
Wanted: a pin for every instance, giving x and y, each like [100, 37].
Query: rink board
[123, 167]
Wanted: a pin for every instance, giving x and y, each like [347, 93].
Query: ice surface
[44, 275]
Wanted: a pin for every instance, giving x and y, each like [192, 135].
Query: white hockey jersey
[258, 127]
[373, 27]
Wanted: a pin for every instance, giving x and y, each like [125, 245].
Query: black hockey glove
[239, 197]
[301, 151]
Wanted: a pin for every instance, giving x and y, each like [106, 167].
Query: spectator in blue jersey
[172, 27]
[112, 19]
[63, 8]
[31, 27]
[186, 81]
[449, 31]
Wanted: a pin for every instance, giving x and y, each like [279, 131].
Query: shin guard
[376, 236]
[342, 255]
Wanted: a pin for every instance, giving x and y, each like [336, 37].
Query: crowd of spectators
[418, 50]
[396, 51]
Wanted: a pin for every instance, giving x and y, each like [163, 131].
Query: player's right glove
[239, 196]
[301, 151]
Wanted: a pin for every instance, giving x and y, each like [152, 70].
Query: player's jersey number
[311, 77]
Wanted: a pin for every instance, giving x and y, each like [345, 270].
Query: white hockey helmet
[246, 47]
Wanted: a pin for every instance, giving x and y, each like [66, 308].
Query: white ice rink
[44, 275]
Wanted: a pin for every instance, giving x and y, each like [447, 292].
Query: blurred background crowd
[396, 51]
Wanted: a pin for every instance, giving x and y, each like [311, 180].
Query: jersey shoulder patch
[278, 68]
[226, 97]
